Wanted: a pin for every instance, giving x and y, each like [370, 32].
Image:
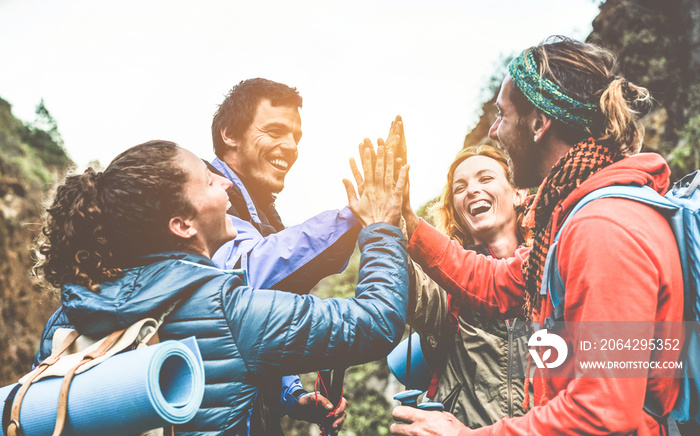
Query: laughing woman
[480, 361]
[129, 242]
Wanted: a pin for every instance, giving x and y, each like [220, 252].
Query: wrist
[292, 404]
[412, 222]
[299, 393]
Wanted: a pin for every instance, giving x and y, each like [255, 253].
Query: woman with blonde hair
[479, 361]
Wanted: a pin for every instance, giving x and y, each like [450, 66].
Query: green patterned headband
[548, 96]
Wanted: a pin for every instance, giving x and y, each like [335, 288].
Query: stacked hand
[380, 197]
[416, 422]
[396, 143]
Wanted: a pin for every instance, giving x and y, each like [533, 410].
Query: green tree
[43, 120]
[43, 137]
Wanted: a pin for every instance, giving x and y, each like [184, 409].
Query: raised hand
[396, 143]
[380, 199]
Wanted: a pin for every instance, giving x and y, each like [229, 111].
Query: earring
[535, 138]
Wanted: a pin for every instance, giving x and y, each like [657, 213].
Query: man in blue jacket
[255, 132]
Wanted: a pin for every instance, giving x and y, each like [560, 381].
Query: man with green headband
[570, 126]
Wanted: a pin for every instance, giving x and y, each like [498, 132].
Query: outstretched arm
[495, 286]
[296, 258]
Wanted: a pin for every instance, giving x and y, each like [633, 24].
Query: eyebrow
[478, 173]
[283, 126]
[274, 125]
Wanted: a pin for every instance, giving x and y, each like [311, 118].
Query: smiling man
[569, 122]
[255, 132]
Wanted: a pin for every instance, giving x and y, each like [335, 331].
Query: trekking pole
[409, 351]
[334, 392]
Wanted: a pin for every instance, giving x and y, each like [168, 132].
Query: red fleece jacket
[619, 262]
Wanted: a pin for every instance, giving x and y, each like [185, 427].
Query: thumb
[323, 402]
[350, 191]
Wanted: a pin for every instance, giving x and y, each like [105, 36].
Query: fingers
[364, 145]
[340, 415]
[402, 183]
[404, 417]
[340, 410]
[392, 134]
[368, 161]
[389, 171]
[323, 402]
[350, 191]
[379, 167]
[404, 414]
[399, 429]
[358, 176]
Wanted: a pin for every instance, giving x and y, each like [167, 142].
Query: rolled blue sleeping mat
[131, 392]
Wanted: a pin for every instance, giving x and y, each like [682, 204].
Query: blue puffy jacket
[246, 335]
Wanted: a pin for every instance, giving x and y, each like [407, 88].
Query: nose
[225, 183]
[289, 144]
[494, 129]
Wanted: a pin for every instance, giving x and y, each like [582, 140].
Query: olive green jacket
[487, 358]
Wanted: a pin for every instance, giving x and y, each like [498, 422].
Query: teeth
[280, 163]
[228, 205]
[479, 207]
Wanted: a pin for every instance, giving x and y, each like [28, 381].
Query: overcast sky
[115, 74]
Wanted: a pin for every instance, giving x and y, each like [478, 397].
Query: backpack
[73, 354]
[681, 206]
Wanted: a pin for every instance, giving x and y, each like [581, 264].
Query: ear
[182, 228]
[540, 123]
[228, 140]
[520, 196]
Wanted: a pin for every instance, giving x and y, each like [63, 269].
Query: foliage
[424, 211]
[29, 153]
[30, 161]
[657, 47]
[686, 156]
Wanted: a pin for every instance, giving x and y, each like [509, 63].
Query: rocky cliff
[30, 161]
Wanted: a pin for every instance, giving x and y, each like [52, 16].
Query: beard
[526, 159]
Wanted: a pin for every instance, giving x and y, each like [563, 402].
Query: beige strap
[62, 412]
[13, 428]
[144, 332]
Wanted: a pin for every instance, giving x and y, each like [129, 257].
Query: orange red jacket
[619, 262]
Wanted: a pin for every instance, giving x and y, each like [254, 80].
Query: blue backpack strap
[685, 193]
[552, 283]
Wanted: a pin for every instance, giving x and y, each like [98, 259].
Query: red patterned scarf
[577, 165]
